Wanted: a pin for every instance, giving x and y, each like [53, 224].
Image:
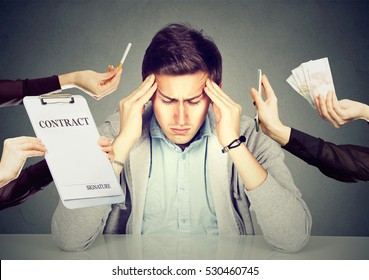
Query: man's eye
[166, 102]
[194, 103]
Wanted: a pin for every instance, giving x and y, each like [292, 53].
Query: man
[347, 163]
[169, 155]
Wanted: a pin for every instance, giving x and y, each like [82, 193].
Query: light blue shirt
[178, 198]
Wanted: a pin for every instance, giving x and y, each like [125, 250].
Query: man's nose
[181, 114]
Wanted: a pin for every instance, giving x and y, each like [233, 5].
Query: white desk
[42, 246]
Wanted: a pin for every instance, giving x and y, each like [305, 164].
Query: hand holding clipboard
[82, 173]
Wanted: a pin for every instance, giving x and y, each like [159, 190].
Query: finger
[339, 106]
[317, 105]
[107, 75]
[148, 94]
[324, 110]
[331, 104]
[26, 139]
[143, 88]
[221, 93]
[334, 96]
[214, 96]
[322, 107]
[109, 79]
[111, 68]
[116, 79]
[256, 96]
[104, 141]
[111, 85]
[32, 146]
[332, 113]
[269, 92]
[107, 149]
[32, 153]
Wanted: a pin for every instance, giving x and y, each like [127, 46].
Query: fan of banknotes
[312, 79]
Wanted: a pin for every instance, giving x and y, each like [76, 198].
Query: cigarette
[124, 55]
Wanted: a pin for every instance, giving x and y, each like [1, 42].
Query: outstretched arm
[347, 163]
[94, 84]
[15, 153]
[33, 178]
[12, 92]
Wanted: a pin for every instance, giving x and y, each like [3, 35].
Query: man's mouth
[180, 131]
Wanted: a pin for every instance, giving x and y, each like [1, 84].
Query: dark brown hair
[179, 49]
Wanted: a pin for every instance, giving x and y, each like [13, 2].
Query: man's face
[180, 106]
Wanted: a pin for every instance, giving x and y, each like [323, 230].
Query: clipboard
[82, 173]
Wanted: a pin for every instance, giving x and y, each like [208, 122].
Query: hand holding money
[339, 112]
[312, 79]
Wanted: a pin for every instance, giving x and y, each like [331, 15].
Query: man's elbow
[291, 239]
[69, 243]
[293, 245]
[71, 247]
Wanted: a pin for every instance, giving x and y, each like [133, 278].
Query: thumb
[345, 103]
[110, 68]
[269, 92]
[108, 75]
[257, 97]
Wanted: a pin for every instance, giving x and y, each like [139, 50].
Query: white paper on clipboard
[82, 173]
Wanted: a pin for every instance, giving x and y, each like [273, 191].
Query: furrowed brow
[175, 99]
[195, 97]
[167, 97]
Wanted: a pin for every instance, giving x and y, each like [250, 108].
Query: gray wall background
[41, 38]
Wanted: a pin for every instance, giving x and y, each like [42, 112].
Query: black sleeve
[12, 92]
[347, 163]
[31, 180]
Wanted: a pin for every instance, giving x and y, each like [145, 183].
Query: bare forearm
[68, 79]
[280, 134]
[365, 112]
[122, 147]
[4, 177]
